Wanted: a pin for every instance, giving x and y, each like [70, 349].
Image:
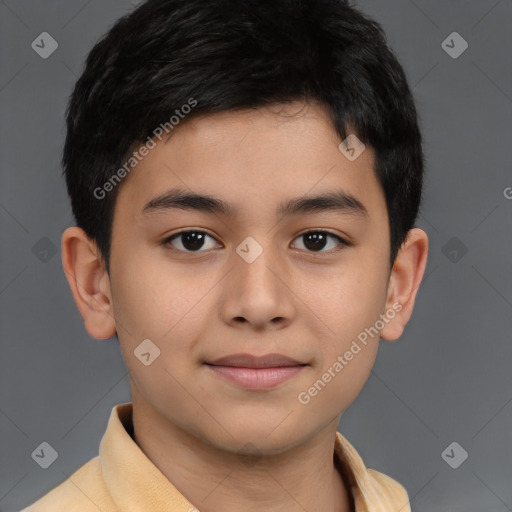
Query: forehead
[252, 159]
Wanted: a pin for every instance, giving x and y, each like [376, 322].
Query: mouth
[251, 361]
[256, 372]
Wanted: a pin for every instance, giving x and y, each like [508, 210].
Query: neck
[302, 478]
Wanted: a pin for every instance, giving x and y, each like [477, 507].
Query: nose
[258, 292]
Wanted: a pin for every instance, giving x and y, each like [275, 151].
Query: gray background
[447, 379]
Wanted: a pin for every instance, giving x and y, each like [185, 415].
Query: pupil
[192, 240]
[315, 241]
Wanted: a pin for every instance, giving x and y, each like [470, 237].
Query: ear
[89, 282]
[404, 281]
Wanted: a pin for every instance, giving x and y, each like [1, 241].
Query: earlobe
[404, 282]
[89, 282]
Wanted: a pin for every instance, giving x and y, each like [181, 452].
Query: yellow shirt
[122, 479]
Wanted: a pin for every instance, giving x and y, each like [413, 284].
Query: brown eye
[316, 241]
[189, 241]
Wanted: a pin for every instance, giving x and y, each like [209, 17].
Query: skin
[196, 306]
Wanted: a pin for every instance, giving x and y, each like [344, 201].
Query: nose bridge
[257, 263]
[258, 292]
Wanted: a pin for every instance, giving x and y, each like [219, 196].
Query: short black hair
[229, 55]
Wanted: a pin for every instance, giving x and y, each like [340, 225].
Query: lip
[256, 373]
[256, 378]
[250, 361]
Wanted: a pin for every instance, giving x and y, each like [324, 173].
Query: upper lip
[250, 361]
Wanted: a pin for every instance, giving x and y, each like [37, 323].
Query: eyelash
[342, 242]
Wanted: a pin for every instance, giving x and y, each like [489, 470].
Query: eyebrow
[340, 202]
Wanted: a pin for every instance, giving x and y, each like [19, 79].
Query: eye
[194, 240]
[191, 240]
[317, 240]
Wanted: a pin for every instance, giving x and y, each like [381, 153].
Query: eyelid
[325, 232]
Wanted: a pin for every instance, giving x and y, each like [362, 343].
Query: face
[251, 278]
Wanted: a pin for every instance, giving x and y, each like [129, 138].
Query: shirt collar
[135, 483]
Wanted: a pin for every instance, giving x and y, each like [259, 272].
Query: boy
[245, 178]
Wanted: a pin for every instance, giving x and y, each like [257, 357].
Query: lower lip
[256, 378]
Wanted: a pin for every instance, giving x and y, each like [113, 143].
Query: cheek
[339, 381]
[149, 296]
[161, 302]
[348, 350]
[350, 306]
